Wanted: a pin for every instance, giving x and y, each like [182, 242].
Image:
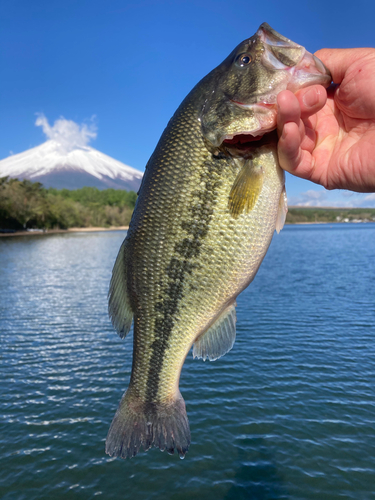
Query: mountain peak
[72, 166]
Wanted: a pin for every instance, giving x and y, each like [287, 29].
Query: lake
[289, 413]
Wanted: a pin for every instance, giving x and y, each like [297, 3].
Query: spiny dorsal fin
[219, 338]
[282, 211]
[246, 189]
[119, 308]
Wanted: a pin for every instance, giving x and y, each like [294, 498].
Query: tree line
[329, 215]
[28, 205]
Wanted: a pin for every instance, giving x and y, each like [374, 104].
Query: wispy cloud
[310, 198]
[67, 134]
[335, 198]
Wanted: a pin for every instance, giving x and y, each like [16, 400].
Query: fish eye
[244, 59]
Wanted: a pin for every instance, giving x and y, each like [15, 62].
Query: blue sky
[125, 66]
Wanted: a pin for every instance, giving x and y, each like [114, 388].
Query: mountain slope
[54, 166]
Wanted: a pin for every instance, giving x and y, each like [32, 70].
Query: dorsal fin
[119, 308]
[219, 338]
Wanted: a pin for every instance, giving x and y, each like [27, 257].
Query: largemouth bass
[210, 200]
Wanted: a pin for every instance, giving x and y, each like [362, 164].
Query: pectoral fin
[282, 211]
[246, 189]
[219, 338]
[119, 308]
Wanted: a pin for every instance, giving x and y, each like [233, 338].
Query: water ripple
[289, 413]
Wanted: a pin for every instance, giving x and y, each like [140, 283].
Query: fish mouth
[245, 144]
[281, 53]
[262, 130]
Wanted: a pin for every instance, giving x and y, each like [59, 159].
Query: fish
[212, 195]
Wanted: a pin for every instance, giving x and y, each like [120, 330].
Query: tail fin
[137, 424]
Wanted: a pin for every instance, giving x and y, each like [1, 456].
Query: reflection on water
[288, 413]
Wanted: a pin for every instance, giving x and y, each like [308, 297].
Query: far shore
[40, 232]
[70, 230]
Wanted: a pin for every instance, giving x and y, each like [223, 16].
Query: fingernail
[311, 98]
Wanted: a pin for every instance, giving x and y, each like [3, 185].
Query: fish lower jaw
[243, 144]
[262, 123]
[246, 136]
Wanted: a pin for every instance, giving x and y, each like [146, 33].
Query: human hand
[328, 137]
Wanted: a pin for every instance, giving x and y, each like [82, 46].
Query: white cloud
[66, 133]
[310, 198]
[336, 198]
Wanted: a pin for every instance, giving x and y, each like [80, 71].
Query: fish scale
[204, 219]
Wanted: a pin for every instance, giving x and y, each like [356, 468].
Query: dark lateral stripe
[178, 268]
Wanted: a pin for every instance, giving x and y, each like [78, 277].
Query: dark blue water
[288, 413]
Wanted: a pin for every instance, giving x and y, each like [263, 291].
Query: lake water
[289, 413]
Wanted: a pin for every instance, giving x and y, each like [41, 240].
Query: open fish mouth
[246, 140]
[244, 144]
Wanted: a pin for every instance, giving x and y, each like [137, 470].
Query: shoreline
[70, 230]
[125, 228]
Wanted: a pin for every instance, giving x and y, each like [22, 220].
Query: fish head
[240, 94]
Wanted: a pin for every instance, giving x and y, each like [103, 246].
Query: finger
[308, 138]
[290, 130]
[288, 110]
[292, 157]
[311, 100]
[289, 147]
[339, 60]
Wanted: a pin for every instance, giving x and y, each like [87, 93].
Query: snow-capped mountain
[56, 166]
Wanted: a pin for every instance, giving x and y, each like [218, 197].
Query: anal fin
[119, 308]
[219, 338]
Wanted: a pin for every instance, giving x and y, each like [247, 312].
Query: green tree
[28, 204]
